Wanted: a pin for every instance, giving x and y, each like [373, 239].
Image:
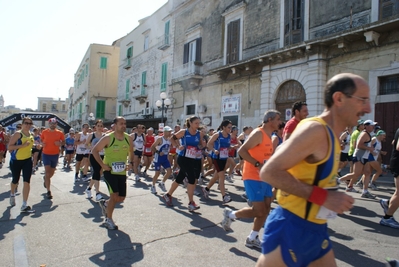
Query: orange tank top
[261, 153]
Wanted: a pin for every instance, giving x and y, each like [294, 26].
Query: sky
[44, 41]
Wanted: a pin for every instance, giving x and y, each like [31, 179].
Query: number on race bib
[118, 166]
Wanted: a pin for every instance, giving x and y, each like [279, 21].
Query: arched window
[288, 93]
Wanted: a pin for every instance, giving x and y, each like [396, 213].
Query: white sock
[233, 215]
[24, 203]
[365, 191]
[12, 195]
[253, 235]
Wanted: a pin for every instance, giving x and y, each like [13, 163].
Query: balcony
[127, 63]
[189, 75]
[124, 100]
[163, 41]
[140, 93]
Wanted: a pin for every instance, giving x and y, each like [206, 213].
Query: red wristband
[318, 196]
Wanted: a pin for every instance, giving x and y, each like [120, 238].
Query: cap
[52, 120]
[360, 122]
[72, 130]
[380, 132]
[150, 129]
[377, 127]
[167, 129]
[369, 122]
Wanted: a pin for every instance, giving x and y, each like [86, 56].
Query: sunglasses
[28, 123]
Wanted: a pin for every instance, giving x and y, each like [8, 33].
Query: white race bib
[118, 166]
[148, 149]
[191, 152]
[326, 214]
[223, 153]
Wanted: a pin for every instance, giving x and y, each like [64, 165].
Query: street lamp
[91, 119]
[163, 104]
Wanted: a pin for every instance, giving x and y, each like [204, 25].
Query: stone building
[95, 86]
[145, 63]
[236, 59]
[56, 106]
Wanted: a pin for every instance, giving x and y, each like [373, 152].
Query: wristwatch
[257, 164]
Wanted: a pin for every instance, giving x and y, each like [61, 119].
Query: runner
[147, 153]
[117, 147]
[92, 140]
[344, 158]
[299, 112]
[82, 153]
[189, 160]
[375, 164]
[52, 140]
[20, 147]
[303, 168]
[2, 145]
[255, 151]
[69, 148]
[160, 148]
[37, 146]
[138, 145]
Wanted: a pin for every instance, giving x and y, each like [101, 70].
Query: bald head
[347, 83]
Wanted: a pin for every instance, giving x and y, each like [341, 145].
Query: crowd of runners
[293, 163]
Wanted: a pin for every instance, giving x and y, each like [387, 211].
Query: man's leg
[326, 260]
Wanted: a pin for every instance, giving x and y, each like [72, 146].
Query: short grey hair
[270, 114]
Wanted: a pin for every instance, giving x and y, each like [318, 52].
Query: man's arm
[254, 139]
[364, 137]
[313, 148]
[154, 145]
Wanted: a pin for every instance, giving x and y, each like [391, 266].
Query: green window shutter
[103, 63]
[127, 89]
[87, 69]
[164, 76]
[129, 52]
[143, 82]
[167, 24]
[120, 110]
[100, 109]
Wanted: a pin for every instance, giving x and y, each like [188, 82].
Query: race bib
[192, 152]
[148, 149]
[326, 214]
[118, 166]
[223, 153]
[82, 149]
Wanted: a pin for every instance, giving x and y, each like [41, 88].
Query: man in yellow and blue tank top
[304, 170]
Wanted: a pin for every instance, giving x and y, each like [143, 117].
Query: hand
[181, 147]
[338, 202]
[161, 153]
[57, 143]
[216, 152]
[106, 167]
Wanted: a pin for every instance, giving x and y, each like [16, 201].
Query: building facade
[95, 86]
[145, 62]
[57, 106]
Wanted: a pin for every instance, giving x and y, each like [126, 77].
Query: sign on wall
[287, 114]
[231, 104]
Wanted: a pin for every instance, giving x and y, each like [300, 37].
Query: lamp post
[91, 119]
[163, 104]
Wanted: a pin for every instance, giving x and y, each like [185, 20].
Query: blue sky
[44, 41]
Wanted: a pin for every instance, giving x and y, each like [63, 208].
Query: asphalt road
[68, 231]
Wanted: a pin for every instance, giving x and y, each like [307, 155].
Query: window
[388, 8]
[100, 109]
[167, 25]
[164, 76]
[63, 107]
[192, 51]
[143, 82]
[103, 63]
[127, 89]
[54, 107]
[233, 42]
[146, 42]
[120, 110]
[44, 107]
[389, 85]
[293, 21]
[80, 108]
[129, 52]
[87, 70]
[190, 109]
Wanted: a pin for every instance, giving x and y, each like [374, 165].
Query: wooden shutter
[143, 82]
[100, 109]
[127, 89]
[185, 53]
[120, 110]
[167, 24]
[198, 49]
[233, 41]
[388, 8]
[164, 76]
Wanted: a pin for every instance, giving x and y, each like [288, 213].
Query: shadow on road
[118, 251]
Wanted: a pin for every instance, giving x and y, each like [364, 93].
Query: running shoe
[384, 205]
[205, 192]
[137, 178]
[200, 181]
[391, 222]
[109, 223]
[226, 199]
[129, 172]
[168, 200]
[26, 208]
[88, 193]
[162, 186]
[196, 193]
[238, 172]
[103, 207]
[76, 178]
[359, 184]
[244, 196]
[229, 178]
[367, 194]
[49, 196]
[99, 197]
[253, 243]
[86, 179]
[33, 171]
[192, 206]
[12, 200]
[373, 186]
[226, 222]
[153, 189]
[351, 189]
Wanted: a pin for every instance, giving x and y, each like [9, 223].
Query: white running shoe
[99, 197]
[253, 243]
[109, 223]
[226, 222]
[137, 178]
[88, 193]
[161, 185]
[12, 200]
[153, 189]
